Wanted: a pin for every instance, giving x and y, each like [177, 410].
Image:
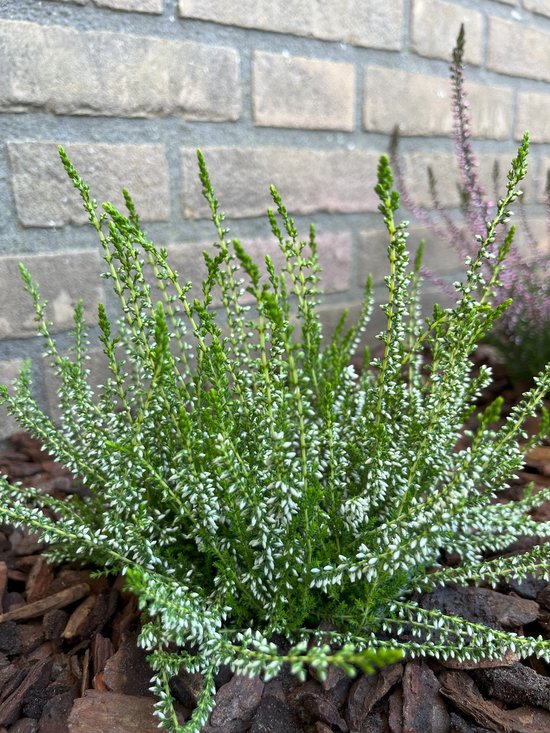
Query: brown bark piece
[334, 677]
[321, 727]
[484, 605]
[9, 638]
[78, 617]
[187, 686]
[38, 676]
[54, 622]
[102, 649]
[44, 651]
[23, 543]
[423, 707]
[25, 725]
[236, 703]
[395, 711]
[14, 600]
[539, 458]
[367, 691]
[55, 714]
[107, 712]
[509, 659]
[125, 620]
[310, 704]
[127, 671]
[69, 577]
[17, 469]
[85, 680]
[100, 614]
[459, 725]
[529, 587]
[273, 715]
[461, 689]
[518, 685]
[30, 637]
[39, 580]
[38, 608]
[17, 575]
[3, 584]
[543, 597]
[10, 679]
[375, 722]
[20, 638]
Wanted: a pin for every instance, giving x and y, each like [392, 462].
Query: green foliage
[247, 481]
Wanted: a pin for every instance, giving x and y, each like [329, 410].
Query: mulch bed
[69, 662]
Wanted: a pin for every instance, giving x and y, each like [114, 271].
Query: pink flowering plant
[522, 334]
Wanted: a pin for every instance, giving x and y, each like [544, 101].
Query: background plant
[247, 481]
[522, 334]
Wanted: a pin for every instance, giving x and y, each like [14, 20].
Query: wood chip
[367, 691]
[78, 618]
[507, 660]
[106, 712]
[483, 605]
[102, 649]
[128, 671]
[39, 580]
[517, 685]
[424, 708]
[38, 675]
[3, 584]
[236, 704]
[38, 608]
[540, 454]
[395, 711]
[85, 681]
[274, 715]
[17, 575]
[461, 689]
[55, 713]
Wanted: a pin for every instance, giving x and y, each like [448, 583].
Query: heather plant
[522, 334]
[248, 482]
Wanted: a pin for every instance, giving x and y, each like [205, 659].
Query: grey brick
[533, 114]
[538, 229]
[518, 50]
[291, 91]
[445, 168]
[126, 75]
[544, 168]
[435, 26]
[421, 104]
[136, 6]
[537, 6]
[44, 196]
[308, 180]
[63, 279]
[368, 23]
[8, 372]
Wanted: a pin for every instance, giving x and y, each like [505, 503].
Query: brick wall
[301, 94]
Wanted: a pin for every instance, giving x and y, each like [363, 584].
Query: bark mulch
[69, 662]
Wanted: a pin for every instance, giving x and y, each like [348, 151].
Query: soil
[69, 662]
